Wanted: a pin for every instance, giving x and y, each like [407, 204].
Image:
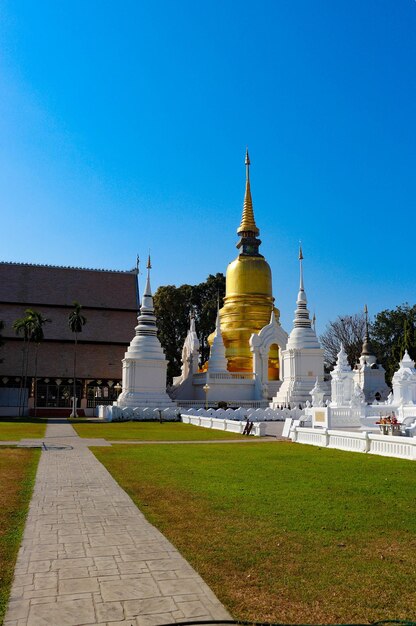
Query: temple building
[109, 303]
[251, 357]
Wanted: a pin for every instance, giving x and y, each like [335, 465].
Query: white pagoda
[144, 363]
[303, 358]
[369, 374]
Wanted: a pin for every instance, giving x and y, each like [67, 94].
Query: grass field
[17, 475]
[14, 429]
[284, 532]
[150, 431]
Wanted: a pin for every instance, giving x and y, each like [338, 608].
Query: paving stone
[109, 611]
[148, 606]
[78, 585]
[102, 551]
[17, 609]
[129, 589]
[73, 572]
[70, 613]
[46, 581]
[163, 575]
[154, 620]
[192, 609]
[176, 587]
[43, 600]
[132, 566]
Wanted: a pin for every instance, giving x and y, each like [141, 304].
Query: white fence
[231, 426]
[200, 404]
[113, 413]
[242, 413]
[370, 443]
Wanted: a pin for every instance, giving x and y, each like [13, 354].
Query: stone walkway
[88, 555]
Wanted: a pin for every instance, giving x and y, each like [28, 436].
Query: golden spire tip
[300, 252]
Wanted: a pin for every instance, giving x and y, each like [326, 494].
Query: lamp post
[117, 389]
[206, 388]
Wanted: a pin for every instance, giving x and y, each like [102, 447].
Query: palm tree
[1, 339]
[76, 321]
[37, 337]
[27, 326]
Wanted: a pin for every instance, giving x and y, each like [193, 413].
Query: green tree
[173, 306]
[393, 332]
[205, 301]
[76, 320]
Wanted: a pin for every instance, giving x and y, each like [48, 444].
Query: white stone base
[295, 392]
[133, 399]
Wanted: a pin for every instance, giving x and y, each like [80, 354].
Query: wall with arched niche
[260, 344]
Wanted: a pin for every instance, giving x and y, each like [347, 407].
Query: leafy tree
[173, 306]
[393, 332]
[205, 301]
[349, 330]
[75, 322]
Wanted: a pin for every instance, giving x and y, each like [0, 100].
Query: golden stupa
[248, 301]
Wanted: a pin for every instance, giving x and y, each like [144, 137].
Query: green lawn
[150, 431]
[17, 476]
[284, 532]
[14, 429]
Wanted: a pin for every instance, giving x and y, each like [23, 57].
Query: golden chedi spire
[248, 301]
[248, 224]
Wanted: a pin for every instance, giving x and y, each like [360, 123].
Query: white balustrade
[371, 443]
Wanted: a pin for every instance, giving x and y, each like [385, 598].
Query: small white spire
[301, 287]
[147, 289]
[192, 322]
[302, 335]
[217, 361]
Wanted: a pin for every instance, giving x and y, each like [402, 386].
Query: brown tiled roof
[51, 285]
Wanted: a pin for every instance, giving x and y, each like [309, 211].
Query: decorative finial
[366, 322]
[137, 264]
[301, 287]
[247, 162]
[149, 264]
[248, 224]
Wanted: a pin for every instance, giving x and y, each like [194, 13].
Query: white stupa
[404, 382]
[369, 374]
[342, 383]
[217, 361]
[144, 363]
[190, 359]
[303, 358]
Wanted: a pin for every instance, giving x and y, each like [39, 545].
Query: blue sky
[123, 127]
